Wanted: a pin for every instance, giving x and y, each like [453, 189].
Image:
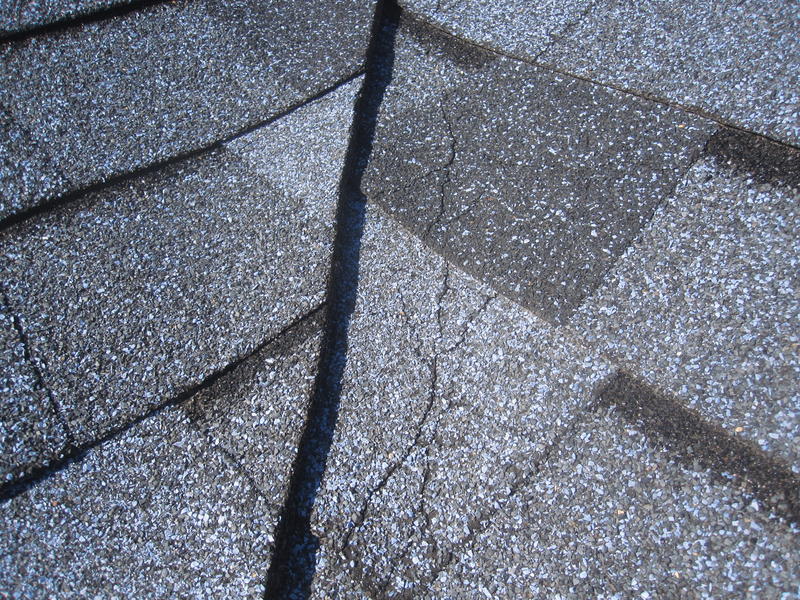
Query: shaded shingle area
[141, 291]
[31, 432]
[22, 15]
[117, 95]
[736, 61]
[705, 304]
[154, 513]
[533, 181]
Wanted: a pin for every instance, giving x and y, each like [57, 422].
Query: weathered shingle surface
[18, 16]
[534, 181]
[120, 94]
[508, 309]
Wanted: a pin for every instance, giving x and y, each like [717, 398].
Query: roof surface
[439, 300]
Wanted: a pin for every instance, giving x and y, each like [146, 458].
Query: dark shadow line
[76, 452]
[75, 195]
[293, 562]
[79, 20]
[697, 443]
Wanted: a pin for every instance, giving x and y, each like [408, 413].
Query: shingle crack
[37, 368]
[445, 168]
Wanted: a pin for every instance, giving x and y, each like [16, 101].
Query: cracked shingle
[31, 432]
[451, 395]
[534, 182]
[141, 291]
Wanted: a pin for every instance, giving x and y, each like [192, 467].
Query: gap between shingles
[67, 198]
[75, 453]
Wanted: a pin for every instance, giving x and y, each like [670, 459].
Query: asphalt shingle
[142, 290]
[519, 27]
[705, 304]
[533, 181]
[451, 395]
[153, 513]
[256, 413]
[120, 94]
[22, 15]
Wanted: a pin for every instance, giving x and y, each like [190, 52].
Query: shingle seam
[69, 197]
[694, 441]
[76, 453]
[80, 20]
[686, 108]
[294, 558]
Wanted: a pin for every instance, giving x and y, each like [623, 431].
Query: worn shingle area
[116, 95]
[736, 61]
[141, 291]
[532, 181]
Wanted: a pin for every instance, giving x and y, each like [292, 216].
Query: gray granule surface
[120, 94]
[27, 170]
[256, 414]
[22, 15]
[611, 515]
[519, 27]
[532, 181]
[30, 430]
[451, 395]
[153, 513]
[141, 291]
[705, 305]
[735, 59]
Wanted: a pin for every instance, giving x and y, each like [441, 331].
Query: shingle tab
[143, 290]
[611, 515]
[532, 181]
[736, 61]
[706, 304]
[120, 94]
